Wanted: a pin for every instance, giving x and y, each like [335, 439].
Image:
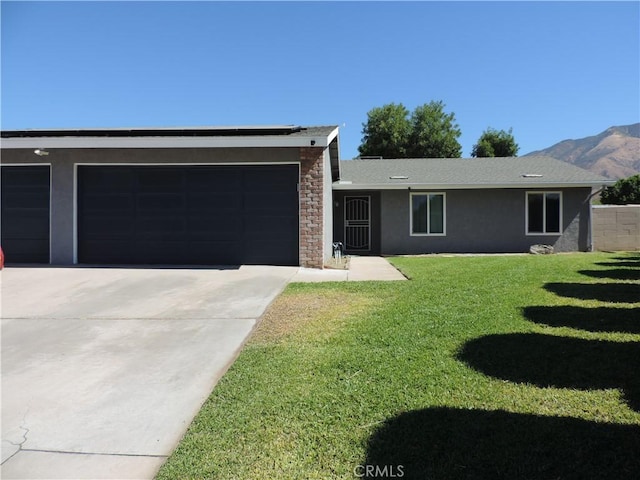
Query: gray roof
[458, 173]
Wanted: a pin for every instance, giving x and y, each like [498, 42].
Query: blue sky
[549, 70]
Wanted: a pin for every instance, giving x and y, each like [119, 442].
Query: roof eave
[468, 186]
[178, 141]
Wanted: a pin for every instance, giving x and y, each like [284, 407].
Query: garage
[25, 213]
[204, 195]
[188, 215]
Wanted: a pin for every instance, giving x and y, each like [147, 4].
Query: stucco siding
[483, 220]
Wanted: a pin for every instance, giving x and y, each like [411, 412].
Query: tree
[496, 143]
[386, 132]
[434, 133]
[623, 192]
[428, 132]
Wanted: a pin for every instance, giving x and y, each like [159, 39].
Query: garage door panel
[275, 201]
[25, 213]
[109, 251]
[160, 251]
[222, 179]
[26, 200]
[107, 226]
[270, 179]
[190, 215]
[277, 252]
[214, 201]
[161, 180]
[215, 253]
[25, 250]
[161, 201]
[224, 225]
[113, 180]
[108, 202]
[270, 226]
[167, 225]
[25, 224]
[27, 177]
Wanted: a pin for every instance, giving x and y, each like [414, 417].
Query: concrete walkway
[360, 269]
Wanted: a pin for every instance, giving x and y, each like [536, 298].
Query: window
[428, 214]
[544, 213]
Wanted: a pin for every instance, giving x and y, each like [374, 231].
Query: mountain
[614, 153]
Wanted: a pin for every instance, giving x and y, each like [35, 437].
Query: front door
[357, 224]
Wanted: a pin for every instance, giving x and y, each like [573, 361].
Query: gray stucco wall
[483, 221]
[63, 182]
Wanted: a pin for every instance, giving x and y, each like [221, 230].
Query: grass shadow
[632, 256]
[606, 292]
[621, 263]
[601, 319]
[616, 274]
[448, 444]
[561, 362]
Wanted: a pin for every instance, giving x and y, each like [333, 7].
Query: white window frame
[544, 213]
[444, 215]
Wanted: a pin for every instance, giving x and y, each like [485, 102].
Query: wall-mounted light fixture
[41, 152]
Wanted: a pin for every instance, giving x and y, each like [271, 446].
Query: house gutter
[346, 185]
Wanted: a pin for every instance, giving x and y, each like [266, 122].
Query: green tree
[429, 132]
[496, 143]
[434, 133]
[623, 192]
[386, 132]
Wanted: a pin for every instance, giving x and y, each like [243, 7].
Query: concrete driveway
[103, 369]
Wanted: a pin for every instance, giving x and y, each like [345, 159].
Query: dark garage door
[25, 214]
[188, 215]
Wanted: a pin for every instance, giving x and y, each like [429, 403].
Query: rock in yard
[541, 249]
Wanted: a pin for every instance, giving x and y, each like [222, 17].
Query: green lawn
[514, 367]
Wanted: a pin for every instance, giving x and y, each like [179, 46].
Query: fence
[616, 227]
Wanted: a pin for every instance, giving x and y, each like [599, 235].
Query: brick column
[311, 207]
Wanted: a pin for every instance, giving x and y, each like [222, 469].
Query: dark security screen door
[25, 192]
[188, 215]
[357, 223]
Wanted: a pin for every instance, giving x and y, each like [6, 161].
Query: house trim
[467, 186]
[158, 141]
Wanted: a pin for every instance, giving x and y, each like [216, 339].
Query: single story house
[463, 205]
[269, 195]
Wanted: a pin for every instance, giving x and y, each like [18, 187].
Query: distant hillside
[614, 153]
